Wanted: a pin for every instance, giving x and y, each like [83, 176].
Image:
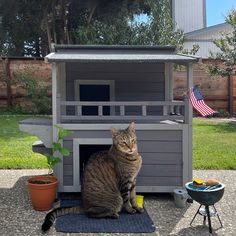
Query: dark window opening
[94, 93]
[85, 151]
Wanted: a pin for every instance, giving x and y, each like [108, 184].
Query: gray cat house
[95, 88]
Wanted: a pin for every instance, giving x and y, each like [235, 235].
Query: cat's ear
[114, 132]
[131, 127]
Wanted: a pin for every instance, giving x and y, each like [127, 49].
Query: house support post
[58, 170]
[168, 88]
[189, 117]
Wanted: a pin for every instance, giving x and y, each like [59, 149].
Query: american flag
[198, 103]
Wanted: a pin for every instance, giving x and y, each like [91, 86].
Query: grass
[213, 145]
[15, 146]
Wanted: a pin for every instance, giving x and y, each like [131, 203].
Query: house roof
[116, 53]
[213, 28]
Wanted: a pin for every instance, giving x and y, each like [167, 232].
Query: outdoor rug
[80, 223]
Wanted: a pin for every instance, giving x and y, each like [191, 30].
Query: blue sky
[217, 10]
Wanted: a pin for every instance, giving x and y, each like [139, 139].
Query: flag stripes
[199, 104]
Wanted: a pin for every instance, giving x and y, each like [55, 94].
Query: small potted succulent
[43, 189]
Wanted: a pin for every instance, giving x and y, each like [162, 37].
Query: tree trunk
[37, 47]
[49, 35]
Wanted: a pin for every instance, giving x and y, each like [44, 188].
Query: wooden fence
[219, 93]
[10, 94]
[233, 97]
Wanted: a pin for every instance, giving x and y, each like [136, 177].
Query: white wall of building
[189, 15]
[204, 38]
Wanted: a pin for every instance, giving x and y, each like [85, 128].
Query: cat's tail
[52, 215]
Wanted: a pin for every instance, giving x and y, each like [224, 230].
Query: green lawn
[214, 145]
[15, 146]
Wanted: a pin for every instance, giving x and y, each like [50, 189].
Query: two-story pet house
[99, 87]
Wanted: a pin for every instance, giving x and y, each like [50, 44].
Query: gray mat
[80, 223]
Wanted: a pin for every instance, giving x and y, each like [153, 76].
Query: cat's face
[125, 140]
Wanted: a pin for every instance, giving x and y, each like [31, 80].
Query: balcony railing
[122, 110]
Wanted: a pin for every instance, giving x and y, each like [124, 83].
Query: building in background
[190, 16]
[204, 38]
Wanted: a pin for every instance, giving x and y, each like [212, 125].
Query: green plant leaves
[52, 160]
[62, 133]
[34, 91]
[224, 63]
[58, 147]
[65, 151]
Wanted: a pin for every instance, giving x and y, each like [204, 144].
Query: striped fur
[52, 215]
[109, 180]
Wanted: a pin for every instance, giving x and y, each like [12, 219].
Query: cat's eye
[133, 140]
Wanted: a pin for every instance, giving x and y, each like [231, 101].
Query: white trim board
[122, 126]
[139, 189]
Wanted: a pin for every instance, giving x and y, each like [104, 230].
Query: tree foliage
[20, 32]
[125, 29]
[28, 27]
[225, 59]
[35, 92]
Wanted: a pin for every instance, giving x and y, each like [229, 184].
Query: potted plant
[43, 189]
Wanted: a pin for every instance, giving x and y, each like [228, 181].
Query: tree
[28, 27]
[63, 17]
[225, 60]
[126, 29]
[20, 32]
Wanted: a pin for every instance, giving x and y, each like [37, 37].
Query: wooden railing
[120, 110]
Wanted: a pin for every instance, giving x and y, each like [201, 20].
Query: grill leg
[195, 215]
[218, 217]
[209, 218]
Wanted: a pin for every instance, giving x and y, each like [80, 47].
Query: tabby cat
[108, 181]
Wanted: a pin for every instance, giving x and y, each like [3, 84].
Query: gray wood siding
[159, 181]
[133, 82]
[68, 170]
[161, 151]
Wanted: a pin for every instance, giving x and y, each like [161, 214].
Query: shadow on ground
[196, 230]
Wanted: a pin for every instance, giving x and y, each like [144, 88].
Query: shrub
[35, 92]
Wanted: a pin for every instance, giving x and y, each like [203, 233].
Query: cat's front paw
[131, 211]
[139, 210]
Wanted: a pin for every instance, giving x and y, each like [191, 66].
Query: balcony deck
[122, 112]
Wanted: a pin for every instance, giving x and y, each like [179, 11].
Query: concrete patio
[18, 218]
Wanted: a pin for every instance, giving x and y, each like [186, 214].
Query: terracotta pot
[42, 194]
